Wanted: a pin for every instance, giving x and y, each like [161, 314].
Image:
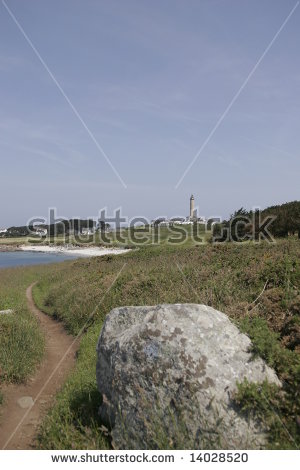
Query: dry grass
[21, 343]
[228, 277]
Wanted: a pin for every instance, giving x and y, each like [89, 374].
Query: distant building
[193, 217]
[3, 230]
[159, 221]
[188, 220]
[87, 231]
[192, 207]
[41, 231]
[177, 220]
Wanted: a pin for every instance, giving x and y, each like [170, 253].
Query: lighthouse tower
[192, 208]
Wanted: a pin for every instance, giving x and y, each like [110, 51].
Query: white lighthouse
[192, 207]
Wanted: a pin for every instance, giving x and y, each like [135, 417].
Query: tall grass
[73, 422]
[228, 277]
[21, 342]
[22, 346]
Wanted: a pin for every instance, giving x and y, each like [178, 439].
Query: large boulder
[167, 375]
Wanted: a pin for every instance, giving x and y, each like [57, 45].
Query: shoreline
[84, 252]
[6, 248]
[65, 250]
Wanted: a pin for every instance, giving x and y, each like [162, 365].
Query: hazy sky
[147, 82]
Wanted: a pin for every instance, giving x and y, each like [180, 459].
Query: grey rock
[25, 402]
[167, 375]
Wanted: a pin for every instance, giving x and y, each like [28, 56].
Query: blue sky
[150, 81]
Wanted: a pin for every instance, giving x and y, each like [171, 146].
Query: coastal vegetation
[21, 343]
[132, 237]
[256, 285]
[284, 220]
[281, 221]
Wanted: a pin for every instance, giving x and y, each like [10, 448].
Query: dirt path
[25, 405]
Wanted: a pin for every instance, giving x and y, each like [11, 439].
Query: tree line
[279, 221]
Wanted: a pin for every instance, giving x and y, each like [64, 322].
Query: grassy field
[258, 286]
[14, 241]
[228, 277]
[186, 235]
[21, 343]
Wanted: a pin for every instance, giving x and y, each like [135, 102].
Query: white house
[42, 232]
[87, 231]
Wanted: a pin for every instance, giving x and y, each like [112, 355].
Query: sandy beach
[90, 251]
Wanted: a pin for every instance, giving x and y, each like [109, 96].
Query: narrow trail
[26, 404]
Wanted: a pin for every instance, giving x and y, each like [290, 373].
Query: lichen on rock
[167, 375]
